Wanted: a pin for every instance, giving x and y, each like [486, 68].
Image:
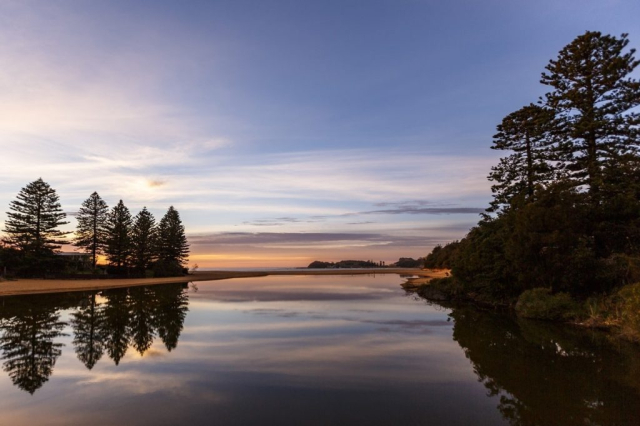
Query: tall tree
[526, 133]
[118, 235]
[594, 100]
[33, 222]
[172, 241]
[143, 239]
[90, 232]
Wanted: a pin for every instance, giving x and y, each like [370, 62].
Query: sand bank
[40, 286]
[414, 283]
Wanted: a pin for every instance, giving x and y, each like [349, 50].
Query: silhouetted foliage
[172, 247]
[318, 264]
[441, 257]
[33, 237]
[143, 240]
[526, 133]
[118, 236]
[32, 227]
[593, 99]
[344, 264]
[567, 201]
[91, 233]
[408, 262]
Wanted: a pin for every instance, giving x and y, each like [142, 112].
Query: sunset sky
[282, 131]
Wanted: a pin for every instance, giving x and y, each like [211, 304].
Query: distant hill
[345, 264]
[403, 262]
[408, 262]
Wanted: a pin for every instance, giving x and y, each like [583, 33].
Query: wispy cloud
[428, 210]
[307, 238]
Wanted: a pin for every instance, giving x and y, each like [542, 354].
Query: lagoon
[300, 350]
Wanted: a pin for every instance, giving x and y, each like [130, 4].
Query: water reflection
[27, 342]
[542, 374]
[301, 350]
[133, 317]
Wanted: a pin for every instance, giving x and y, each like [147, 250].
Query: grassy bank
[618, 312]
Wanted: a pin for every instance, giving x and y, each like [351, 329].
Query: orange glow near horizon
[247, 261]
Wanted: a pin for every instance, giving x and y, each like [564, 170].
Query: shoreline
[45, 286]
[421, 287]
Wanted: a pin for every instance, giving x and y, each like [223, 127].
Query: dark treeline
[566, 210]
[318, 264]
[131, 244]
[31, 326]
[403, 262]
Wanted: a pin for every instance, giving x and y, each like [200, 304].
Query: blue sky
[283, 131]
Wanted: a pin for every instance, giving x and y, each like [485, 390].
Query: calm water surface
[300, 350]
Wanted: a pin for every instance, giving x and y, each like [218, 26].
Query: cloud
[156, 183]
[422, 207]
[278, 221]
[409, 207]
[428, 210]
[307, 238]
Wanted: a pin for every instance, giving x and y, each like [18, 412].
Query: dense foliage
[131, 245]
[91, 228]
[566, 208]
[32, 226]
[118, 236]
[143, 240]
[318, 264]
[172, 248]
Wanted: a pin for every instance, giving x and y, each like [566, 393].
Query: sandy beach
[41, 286]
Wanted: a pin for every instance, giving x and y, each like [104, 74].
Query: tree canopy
[566, 208]
[91, 228]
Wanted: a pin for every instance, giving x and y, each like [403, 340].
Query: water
[300, 350]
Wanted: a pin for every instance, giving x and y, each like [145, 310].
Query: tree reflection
[141, 329]
[548, 375]
[170, 310]
[107, 322]
[88, 331]
[29, 327]
[116, 323]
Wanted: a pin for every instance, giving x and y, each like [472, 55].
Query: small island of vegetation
[403, 262]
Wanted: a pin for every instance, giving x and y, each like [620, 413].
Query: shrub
[168, 269]
[630, 312]
[540, 303]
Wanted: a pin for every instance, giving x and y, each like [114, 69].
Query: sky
[282, 131]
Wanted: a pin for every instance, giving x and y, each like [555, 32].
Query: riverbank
[617, 313]
[42, 286]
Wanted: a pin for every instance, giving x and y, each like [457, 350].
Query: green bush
[540, 303]
[630, 299]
